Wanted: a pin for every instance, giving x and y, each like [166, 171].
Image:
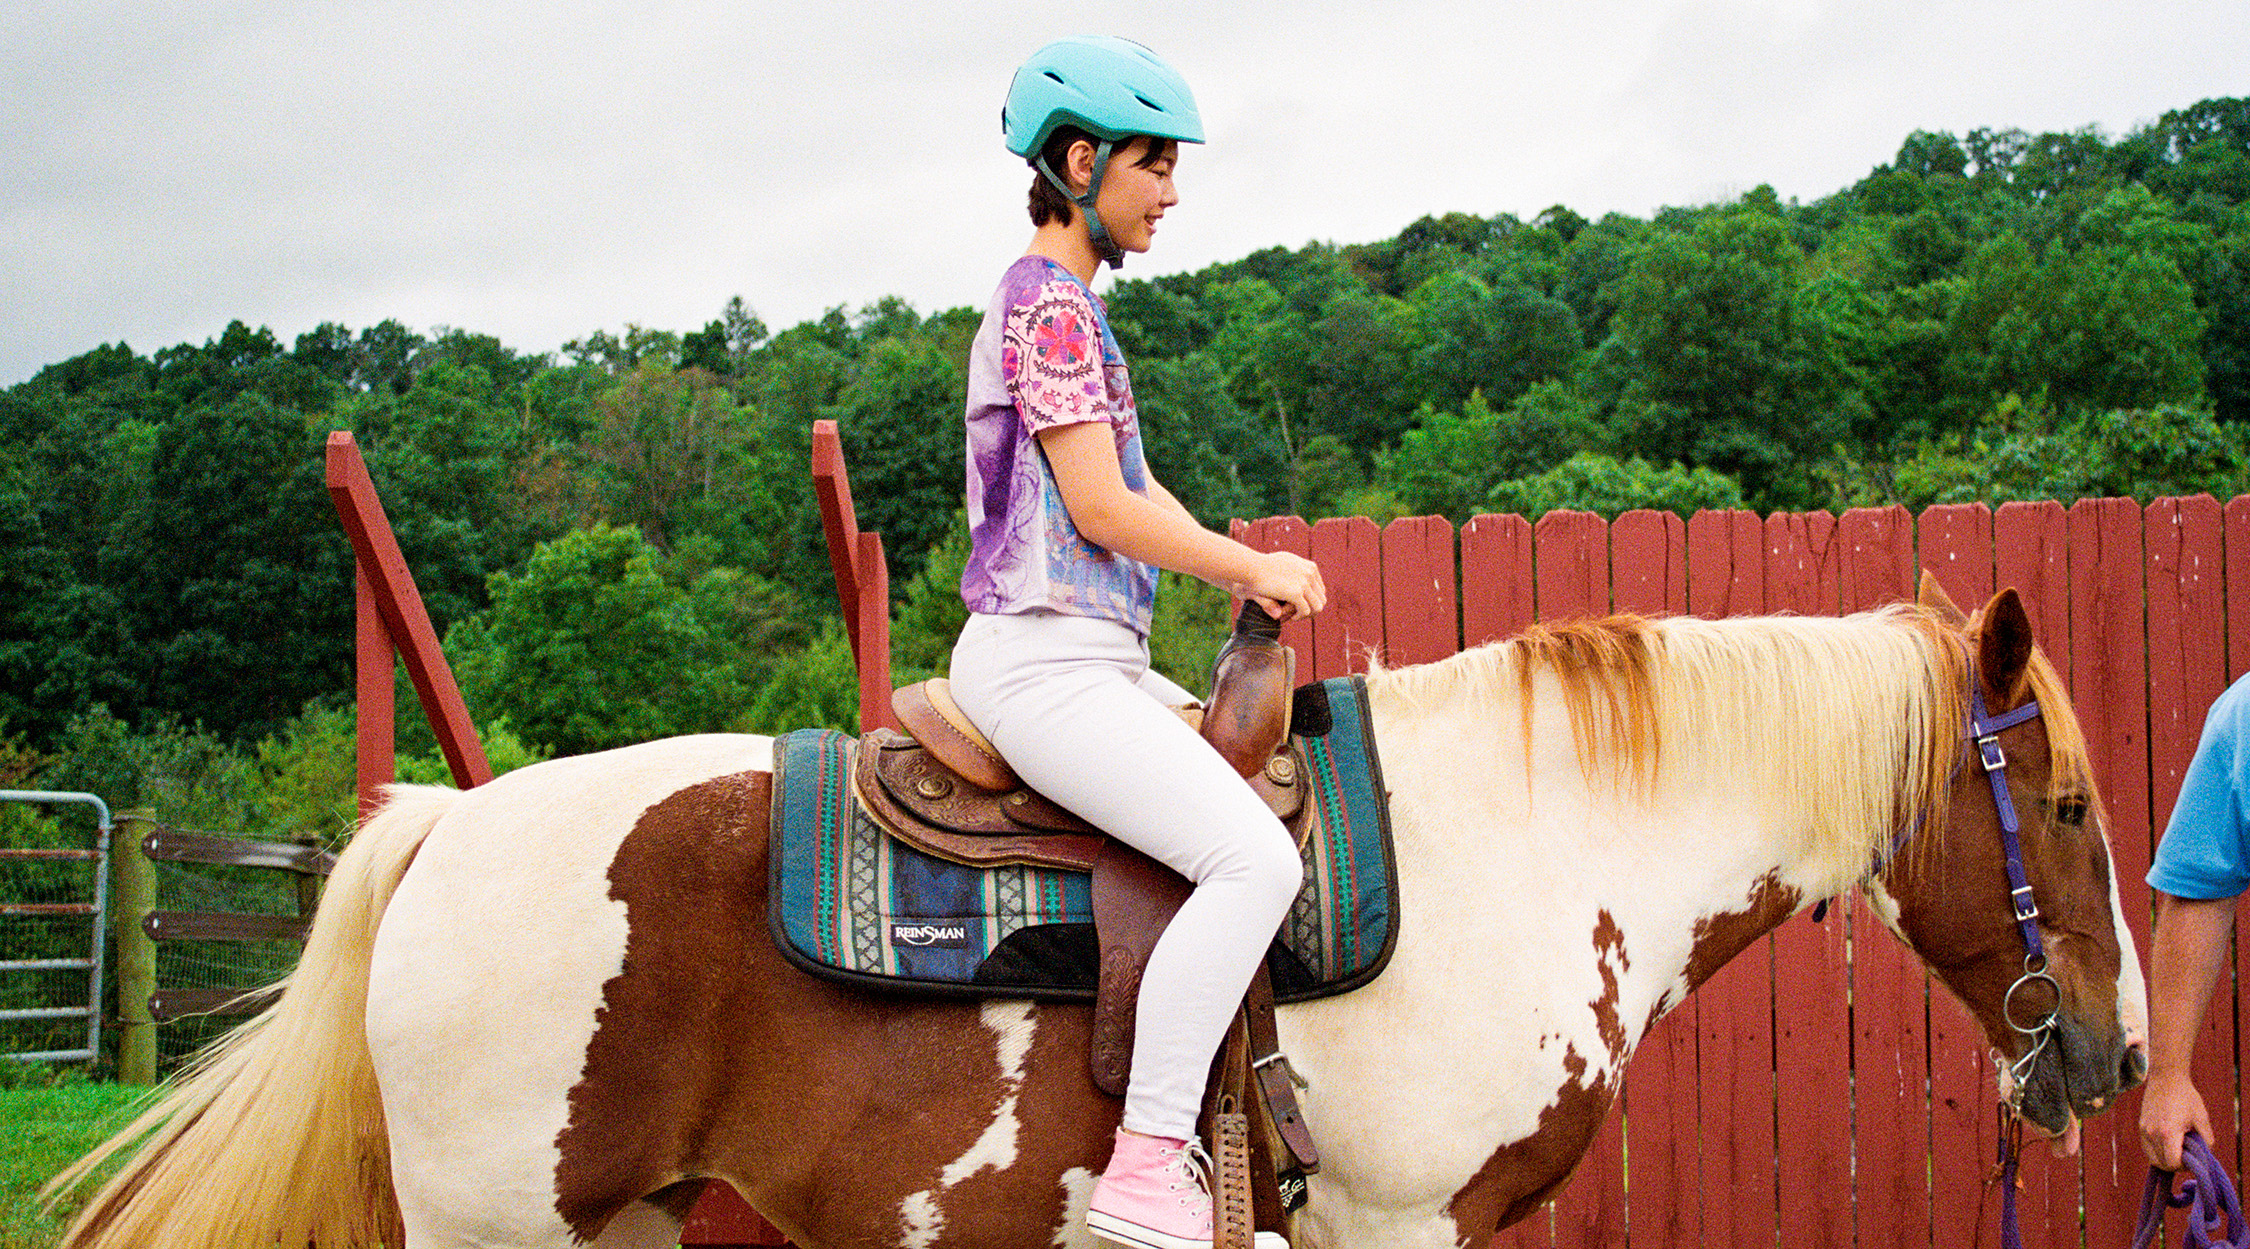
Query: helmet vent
[1056, 77]
[1153, 106]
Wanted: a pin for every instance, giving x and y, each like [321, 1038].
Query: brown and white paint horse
[534, 1013]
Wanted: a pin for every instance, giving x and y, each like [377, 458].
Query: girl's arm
[1165, 498]
[1157, 530]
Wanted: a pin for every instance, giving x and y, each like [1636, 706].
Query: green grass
[44, 1127]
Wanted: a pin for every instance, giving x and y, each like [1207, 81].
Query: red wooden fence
[1817, 1092]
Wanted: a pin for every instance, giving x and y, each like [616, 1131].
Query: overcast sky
[539, 171]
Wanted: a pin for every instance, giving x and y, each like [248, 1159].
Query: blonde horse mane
[274, 1136]
[1853, 725]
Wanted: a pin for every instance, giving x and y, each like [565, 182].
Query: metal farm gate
[56, 904]
[1816, 1092]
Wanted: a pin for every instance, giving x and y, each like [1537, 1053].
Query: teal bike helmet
[1110, 88]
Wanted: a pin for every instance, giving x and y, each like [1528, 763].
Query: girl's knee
[1277, 867]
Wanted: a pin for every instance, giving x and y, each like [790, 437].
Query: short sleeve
[2204, 852]
[1051, 358]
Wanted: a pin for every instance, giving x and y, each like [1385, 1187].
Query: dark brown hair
[1048, 203]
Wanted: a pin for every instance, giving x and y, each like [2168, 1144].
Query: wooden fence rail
[1817, 1092]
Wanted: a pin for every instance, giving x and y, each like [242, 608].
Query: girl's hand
[1286, 584]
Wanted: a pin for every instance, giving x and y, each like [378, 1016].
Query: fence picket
[1572, 580]
[1572, 575]
[2109, 671]
[2031, 554]
[1726, 577]
[1496, 586]
[2187, 671]
[2235, 524]
[1420, 606]
[1812, 1021]
[1664, 1196]
[1648, 563]
[1956, 546]
[1349, 550]
[1889, 1054]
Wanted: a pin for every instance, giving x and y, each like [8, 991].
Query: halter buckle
[1990, 754]
[2027, 907]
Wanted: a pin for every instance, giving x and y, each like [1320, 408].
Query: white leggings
[1073, 706]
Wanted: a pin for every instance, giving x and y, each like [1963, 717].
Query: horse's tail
[274, 1135]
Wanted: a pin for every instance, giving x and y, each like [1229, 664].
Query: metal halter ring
[2031, 975]
[2040, 1032]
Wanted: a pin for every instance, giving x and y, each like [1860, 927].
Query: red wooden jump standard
[393, 625]
[391, 621]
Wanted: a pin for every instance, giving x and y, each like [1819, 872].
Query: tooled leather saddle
[942, 788]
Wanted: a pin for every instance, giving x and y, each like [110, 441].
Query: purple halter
[1984, 731]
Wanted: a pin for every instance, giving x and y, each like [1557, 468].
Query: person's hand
[2170, 1106]
[1286, 584]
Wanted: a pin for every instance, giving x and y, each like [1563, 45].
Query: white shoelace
[1196, 1164]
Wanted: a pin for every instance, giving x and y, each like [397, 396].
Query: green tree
[593, 645]
[2028, 451]
[900, 420]
[1450, 462]
[1496, 340]
[816, 686]
[1718, 364]
[1593, 482]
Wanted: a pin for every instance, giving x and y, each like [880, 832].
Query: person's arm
[1161, 532]
[2188, 951]
[1165, 498]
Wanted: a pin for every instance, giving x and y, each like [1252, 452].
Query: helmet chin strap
[1096, 232]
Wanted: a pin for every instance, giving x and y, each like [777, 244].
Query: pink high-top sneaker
[1157, 1195]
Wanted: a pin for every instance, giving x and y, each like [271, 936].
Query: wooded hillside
[620, 541]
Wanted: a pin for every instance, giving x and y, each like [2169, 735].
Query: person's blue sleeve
[2203, 854]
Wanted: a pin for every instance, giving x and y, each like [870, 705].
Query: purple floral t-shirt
[1045, 358]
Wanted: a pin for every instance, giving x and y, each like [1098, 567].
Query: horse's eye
[2070, 809]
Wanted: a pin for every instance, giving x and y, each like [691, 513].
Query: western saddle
[944, 789]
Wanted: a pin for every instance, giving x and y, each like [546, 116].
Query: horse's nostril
[2133, 1068]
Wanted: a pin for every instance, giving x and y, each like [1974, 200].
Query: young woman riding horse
[540, 1012]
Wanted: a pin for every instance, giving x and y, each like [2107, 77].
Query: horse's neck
[1638, 898]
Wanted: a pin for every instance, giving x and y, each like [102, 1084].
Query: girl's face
[1133, 197]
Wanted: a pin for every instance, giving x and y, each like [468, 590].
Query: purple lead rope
[2214, 1212]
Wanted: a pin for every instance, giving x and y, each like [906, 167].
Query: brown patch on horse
[638, 1124]
[1520, 1176]
[1719, 938]
[1610, 958]
[827, 1109]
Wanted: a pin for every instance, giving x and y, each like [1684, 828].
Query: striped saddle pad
[849, 902]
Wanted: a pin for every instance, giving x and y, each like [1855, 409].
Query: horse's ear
[1931, 595]
[2004, 648]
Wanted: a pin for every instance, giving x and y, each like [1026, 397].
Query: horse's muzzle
[2081, 1074]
